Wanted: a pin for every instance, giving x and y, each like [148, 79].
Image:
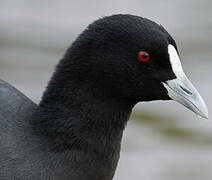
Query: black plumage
[75, 132]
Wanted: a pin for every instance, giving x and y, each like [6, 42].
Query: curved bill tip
[204, 115]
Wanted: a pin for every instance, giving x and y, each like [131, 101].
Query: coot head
[76, 130]
[132, 59]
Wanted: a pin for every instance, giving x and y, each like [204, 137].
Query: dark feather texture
[75, 132]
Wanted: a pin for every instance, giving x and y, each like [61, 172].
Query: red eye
[143, 56]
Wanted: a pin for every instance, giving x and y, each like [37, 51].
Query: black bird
[75, 132]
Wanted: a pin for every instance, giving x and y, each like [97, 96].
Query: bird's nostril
[185, 90]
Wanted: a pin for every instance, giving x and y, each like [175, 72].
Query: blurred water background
[163, 140]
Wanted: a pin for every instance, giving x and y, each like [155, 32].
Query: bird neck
[84, 122]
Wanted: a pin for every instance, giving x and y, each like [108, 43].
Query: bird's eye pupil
[143, 56]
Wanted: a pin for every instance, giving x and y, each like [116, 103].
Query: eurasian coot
[75, 132]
